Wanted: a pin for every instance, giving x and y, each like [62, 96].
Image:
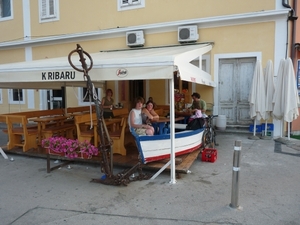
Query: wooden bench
[80, 109]
[18, 133]
[66, 130]
[160, 111]
[121, 112]
[38, 113]
[118, 138]
[30, 126]
[82, 130]
[165, 108]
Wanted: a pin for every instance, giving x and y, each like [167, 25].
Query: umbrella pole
[282, 126]
[254, 127]
[266, 123]
[289, 130]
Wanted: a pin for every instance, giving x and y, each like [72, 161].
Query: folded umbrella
[269, 82]
[257, 96]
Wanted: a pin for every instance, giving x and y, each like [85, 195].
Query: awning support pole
[172, 131]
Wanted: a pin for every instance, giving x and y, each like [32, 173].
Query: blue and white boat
[157, 147]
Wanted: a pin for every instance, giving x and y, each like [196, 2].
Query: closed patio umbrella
[269, 88]
[291, 98]
[278, 94]
[257, 97]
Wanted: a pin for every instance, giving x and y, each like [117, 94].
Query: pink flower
[71, 148]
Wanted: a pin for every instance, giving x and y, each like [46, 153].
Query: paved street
[269, 191]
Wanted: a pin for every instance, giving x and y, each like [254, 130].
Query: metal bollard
[235, 175]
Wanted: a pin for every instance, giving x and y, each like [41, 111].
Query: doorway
[55, 99]
[235, 79]
[136, 89]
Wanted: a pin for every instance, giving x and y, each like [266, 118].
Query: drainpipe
[294, 48]
[292, 17]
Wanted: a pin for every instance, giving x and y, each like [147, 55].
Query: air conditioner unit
[188, 33]
[135, 38]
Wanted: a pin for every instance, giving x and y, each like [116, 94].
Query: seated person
[135, 119]
[154, 104]
[148, 113]
[198, 103]
[107, 104]
[197, 114]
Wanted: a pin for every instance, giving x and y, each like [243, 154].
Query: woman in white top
[135, 119]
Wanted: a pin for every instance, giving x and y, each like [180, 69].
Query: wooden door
[235, 78]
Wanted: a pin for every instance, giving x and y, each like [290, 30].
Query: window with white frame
[5, 9]
[49, 10]
[84, 98]
[130, 4]
[16, 96]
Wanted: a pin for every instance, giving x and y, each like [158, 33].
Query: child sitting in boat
[135, 119]
[198, 114]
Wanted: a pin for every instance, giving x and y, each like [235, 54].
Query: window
[5, 9]
[48, 10]
[84, 98]
[16, 96]
[130, 4]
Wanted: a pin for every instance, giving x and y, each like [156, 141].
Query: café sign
[63, 75]
[122, 73]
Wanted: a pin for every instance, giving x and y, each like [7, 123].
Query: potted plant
[69, 148]
[87, 149]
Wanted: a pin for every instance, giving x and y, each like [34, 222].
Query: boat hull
[158, 147]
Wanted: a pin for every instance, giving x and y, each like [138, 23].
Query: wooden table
[185, 114]
[107, 123]
[43, 121]
[160, 123]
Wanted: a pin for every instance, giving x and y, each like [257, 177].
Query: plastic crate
[209, 155]
[270, 127]
[269, 133]
[258, 128]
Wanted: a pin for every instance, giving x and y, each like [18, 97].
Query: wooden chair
[19, 134]
[118, 138]
[82, 130]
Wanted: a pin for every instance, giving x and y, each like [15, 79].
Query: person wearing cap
[198, 103]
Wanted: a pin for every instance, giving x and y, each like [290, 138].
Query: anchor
[105, 144]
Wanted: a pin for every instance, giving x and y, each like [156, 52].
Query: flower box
[69, 148]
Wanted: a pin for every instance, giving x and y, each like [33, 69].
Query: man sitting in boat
[148, 113]
[198, 103]
[135, 121]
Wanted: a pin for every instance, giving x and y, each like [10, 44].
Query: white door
[235, 78]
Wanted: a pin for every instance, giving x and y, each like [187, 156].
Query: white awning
[131, 64]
